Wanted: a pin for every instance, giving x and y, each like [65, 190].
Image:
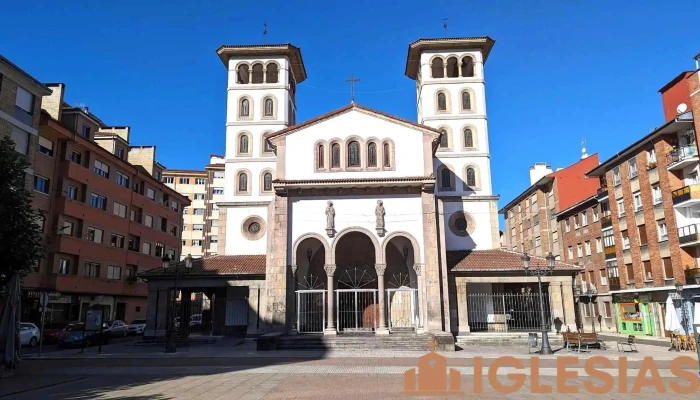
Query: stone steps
[411, 342]
[504, 339]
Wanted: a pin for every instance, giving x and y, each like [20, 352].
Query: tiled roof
[341, 110]
[216, 265]
[356, 180]
[497, 260]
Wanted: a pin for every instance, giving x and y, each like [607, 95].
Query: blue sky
[559, 71]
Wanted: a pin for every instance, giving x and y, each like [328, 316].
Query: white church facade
[357, 220]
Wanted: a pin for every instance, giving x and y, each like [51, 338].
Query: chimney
[538, 171]
[53, 103]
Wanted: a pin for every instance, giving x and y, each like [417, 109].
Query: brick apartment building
[531, 224]
[653, 192]
[581, 227]
[107, 219]
[215, 195]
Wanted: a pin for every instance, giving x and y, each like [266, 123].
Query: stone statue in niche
[379, 213]
[330, 219]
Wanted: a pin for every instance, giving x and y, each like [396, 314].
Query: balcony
[609, 252]
[688, 235]
[585, 289]
[682, 157]
[686, 196]
[614, 283]
[692, 276]
[602, 194]
[606, 222]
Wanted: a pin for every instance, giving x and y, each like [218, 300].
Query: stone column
[330, 271]
[421, 309]
[381, 329]
[462, 306]
[293, 287]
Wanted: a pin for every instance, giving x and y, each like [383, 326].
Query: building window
[320, 162]
[67, 228]
[214, 239]
[243, 144]
[219, 174]
[353, 154]
[576, 222]
[91, 269]
[197, 243]
[117, 241]
[94, 235]
[335, 155]
[599, 245]
[444, 140]
[243, 182]
[200, 181]
[387, 156]
[24, 106]
[114, 273]
[555, 237]
[198, 227]
[244, 110]
[122, 180]
[608, 238]
[45, 147]
[596, 217]
[437, 68]
[98, 201]
[120, 153]
[651, 156]
[633, 168]
[21, 139]
[467, 67]
[372, 155]
[160, 250]
[271, 73]
[242, 74]
[656, 194]
[630, 273]
[269, 108]
[668, 268]
[267, 182]
[616, 176]
[168, 179]
[64, 266]
[445, 178]
[620, 208]
[269, 148]
[146, 248]
[85, 131]
[468, 138]
[663, 231]
[150, 193]
[567, 226]
[148, 220]
[471, 177]
[199, 196]
[72, 192]
[571, 253]
[41, 184]
[466, 101]
[625, 241]
[198, 211]
[257, 75]
[119, 210]
[216, 190]
[441, 101]
[588, 248]
[184, 181]
[584, 219]
[579, 250]
[538, 241]
[637, 201]
[101, 169]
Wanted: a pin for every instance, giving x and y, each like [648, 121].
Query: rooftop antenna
[444, 25]
[583, 149]
[264, 31]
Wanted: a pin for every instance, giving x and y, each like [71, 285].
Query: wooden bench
[572, 339]
[591, 339]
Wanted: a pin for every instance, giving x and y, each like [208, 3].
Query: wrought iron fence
[311, 311]
[507, 312]
[402, 309]
[357, 310]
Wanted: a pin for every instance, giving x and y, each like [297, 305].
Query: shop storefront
[635, 315]
[61, 307]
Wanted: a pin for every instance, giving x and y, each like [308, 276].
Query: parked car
[117, 328]
[74, 336]
[54, 330]
[28, 334]
[137, 326]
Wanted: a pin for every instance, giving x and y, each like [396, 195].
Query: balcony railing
[677, 158]
[614, 283]
[602, 193]
[606, 221]
[692, 276]
[688, 234]
[686, 193]
[609, 250]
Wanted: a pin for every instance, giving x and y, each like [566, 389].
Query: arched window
[466, 101]
[442, 101]
[372, 155]
[387, 156]
[272, 73]
[244, 108]
[320, 161]
[467, 67]
[445, 178]
[267, 182]
[437, 68]
[468, 138]
[257, 73]
[243, 142]
[335, 156]
[242, 74]
[243, 182]
[353, 154]
[269, 107]
[452, 67]
[444, 140]
[471, 177]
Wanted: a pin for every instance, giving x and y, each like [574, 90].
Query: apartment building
[582, 240]
[651, 240]
[215, 195]
[193, 185]
[107, 219]
[20, 107]
[531, 224]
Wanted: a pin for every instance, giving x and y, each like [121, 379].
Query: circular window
[461, 223]
[253, 228]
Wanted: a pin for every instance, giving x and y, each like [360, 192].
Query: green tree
[20, 236]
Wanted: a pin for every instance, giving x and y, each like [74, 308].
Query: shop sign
[35, 294]
[65, 299]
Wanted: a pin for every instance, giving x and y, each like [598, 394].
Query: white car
[116, 328]
[137, 326]
[28, 334]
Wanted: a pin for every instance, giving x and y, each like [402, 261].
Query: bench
[572, 339]
[629, 343]
[591, 339]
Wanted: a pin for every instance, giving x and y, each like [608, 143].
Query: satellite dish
[682, 108]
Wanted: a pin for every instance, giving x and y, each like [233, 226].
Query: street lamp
[170, 346]
[540, 272]
[684, 318]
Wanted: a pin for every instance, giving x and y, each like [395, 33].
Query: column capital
[380, 268]
[330, 269]
[418, 268]
[294, 269]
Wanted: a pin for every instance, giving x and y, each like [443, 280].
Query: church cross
[352, 81]
[264, 31]
[444, 25]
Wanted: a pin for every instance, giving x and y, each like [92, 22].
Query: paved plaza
[223, 371]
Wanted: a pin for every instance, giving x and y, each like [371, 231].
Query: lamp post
[170, 346]
[684, 317]
[540, 272]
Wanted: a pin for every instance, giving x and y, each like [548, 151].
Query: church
[357, 220]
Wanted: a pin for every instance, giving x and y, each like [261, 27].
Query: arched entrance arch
[349, 231]
[309, 259]
[401, 254]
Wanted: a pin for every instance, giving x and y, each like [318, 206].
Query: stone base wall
[276, 275]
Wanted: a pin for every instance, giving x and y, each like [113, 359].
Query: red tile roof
[341, 110]
[497, 260]
[216, 265]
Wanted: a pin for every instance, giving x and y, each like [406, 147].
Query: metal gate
[402, 309]
[507, 312]
[311, 311]
[357, 310]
